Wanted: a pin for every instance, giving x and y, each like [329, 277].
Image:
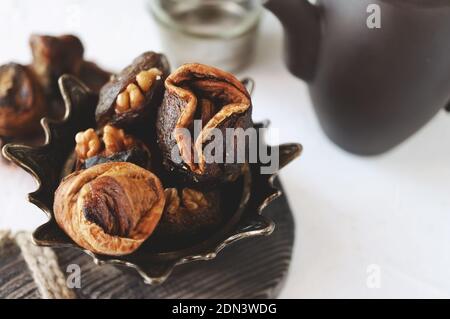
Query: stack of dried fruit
[30, 92]
[118, 194]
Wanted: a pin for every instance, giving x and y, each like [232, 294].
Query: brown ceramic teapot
[373, 83]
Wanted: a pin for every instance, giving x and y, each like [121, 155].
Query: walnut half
[191, 201]
[112, 140]
[133, 96]
[109, 145]
[189, 211]
[116, 140]
[88, 144]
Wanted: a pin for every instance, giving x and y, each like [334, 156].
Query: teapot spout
[301, 22]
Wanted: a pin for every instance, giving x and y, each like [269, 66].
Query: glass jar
[220, 33]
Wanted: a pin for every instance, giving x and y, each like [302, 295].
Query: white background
[391, 211]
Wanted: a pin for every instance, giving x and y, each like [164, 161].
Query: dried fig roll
[22, 103]
[109, 145]
[134, 95]
[189, 212]
[218, 101]
[55, 56]
[93, 76]
[111, 208]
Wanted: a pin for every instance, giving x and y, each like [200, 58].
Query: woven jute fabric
[253, 268]
[43, 265]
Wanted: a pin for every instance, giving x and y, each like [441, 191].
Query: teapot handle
[301, 22]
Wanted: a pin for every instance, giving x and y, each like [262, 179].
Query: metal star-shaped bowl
[247, 198]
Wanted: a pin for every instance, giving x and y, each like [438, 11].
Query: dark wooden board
[252, 268]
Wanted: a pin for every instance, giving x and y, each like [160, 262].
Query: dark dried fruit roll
[216, 100]
[189, 212]
[55, 56]
[110, 145]
[111, 208]
[22, 102]
[134, 95]
[93, 76]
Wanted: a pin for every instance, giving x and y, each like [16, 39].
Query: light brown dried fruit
[110, 208]
[22, 102]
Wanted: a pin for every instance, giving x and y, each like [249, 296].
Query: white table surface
[391, 211]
